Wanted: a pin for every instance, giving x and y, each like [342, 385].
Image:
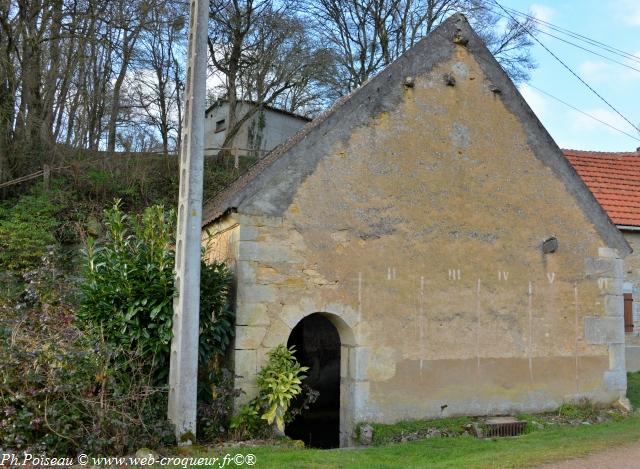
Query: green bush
[27, 228]
[633, 388]
[128, 290]
[60, 394]
[279, 382]
[215, 407]
[248, 424]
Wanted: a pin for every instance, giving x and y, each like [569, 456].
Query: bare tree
[263, 54]
[156, 82]
[367, 35]
[8, 88]
[131, 17]
[63, 69]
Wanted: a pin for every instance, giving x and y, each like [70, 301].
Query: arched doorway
[317, 344]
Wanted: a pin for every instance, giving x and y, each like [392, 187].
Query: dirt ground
[624, 457]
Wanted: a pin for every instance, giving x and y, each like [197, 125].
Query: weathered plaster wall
[420, 237]
[632, 275]
[278, 127]
[632, 285]
[220, 241]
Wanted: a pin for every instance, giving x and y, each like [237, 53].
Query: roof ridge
[613, 178]
[597, 152]
[212, 207]
[269, 187]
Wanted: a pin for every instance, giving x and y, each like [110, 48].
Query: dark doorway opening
[318, 346]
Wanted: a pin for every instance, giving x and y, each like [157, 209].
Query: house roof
[218, 102]
[268, 187]
[614, 179]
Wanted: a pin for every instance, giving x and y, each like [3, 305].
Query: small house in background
[261, 133]
[428, 250]
[614, 179]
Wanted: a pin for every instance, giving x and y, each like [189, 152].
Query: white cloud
[629, 11]
[542, 12]
[609, 72]
[595, 71]
[581, 123]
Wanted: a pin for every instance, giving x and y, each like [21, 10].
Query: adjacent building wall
[264, 131]
[419, 236]
[632, 285]
[632, 275]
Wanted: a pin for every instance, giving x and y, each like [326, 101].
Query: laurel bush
[128, 290]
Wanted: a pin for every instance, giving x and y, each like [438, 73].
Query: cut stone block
[608, 252]
[278, 334]
[374, 364]
[256, 293]
[610, 285]
[252, 314]
[596, 267]
[614, 305]
[245, 364]
[249, 337]
[615, 380]
[603, 330]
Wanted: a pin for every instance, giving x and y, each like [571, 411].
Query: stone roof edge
[363, 97]
[281, 168]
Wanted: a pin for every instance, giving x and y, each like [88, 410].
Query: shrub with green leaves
[59, 391]
[27, 228]
[128, 290]
[279, 382]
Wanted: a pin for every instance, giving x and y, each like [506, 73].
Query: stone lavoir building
[429, 251]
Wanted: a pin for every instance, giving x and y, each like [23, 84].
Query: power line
[589, 41]
[583, 112]
[589, 50]
[582, 37]
[567, 67]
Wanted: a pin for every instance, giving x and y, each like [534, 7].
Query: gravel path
[623, 457]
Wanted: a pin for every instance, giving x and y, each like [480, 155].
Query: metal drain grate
[503, 426]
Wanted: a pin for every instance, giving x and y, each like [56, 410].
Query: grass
[384, 434]
[536, 448]
[553, 443]
[633, 388]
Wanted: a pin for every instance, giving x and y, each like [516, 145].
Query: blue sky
[614, 22]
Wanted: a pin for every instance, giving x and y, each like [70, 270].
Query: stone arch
[324, 323]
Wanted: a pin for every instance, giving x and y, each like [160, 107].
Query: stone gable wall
[419, 237]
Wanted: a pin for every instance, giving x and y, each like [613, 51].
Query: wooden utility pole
[183, 373]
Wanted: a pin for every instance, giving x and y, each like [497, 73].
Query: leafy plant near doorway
[279, 382]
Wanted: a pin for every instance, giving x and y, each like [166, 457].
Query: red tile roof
[614, 179]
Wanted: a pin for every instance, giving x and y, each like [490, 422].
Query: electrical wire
[578, 36]
[567, 67]
[583, 112]
[628, 57]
